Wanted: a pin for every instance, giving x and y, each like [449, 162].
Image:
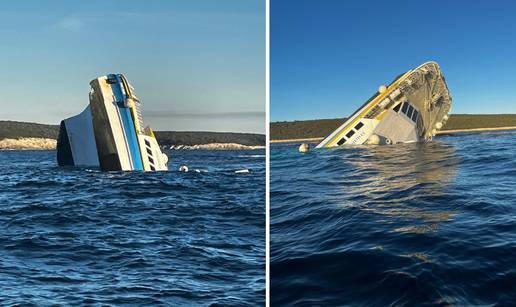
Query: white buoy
[374, 139]
[382, 89]
[445, 117]
[438, 125]
[183, 168]
[164, 158]
[304, 147]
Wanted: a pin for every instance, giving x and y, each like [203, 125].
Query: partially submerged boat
[110, 133]
[411, 109]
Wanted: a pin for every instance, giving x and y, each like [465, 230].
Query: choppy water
[401, 225]
[85, 237]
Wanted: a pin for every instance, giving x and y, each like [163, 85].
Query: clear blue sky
[196, 65]
[328, 57]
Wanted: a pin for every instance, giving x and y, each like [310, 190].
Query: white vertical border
[267, 154]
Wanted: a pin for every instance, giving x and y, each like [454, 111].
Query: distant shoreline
[28, 144]
[297, 140]
[50, 144]
[444, 132]
[316, 129]
[14, 130]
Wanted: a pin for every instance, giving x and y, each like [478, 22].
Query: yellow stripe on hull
[374, 102]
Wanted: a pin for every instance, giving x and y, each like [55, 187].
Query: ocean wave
[410, 224]
[134, 238]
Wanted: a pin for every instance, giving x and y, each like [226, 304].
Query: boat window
[350, 134]
[397, 108]
[358, 126]
[404, 108]
[409, 112]
[147, 143]
[414, 115]
[342, 141]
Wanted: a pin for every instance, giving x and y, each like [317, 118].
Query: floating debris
[216, 146]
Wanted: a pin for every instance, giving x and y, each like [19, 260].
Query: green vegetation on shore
[16, 130]
[168, 138]
[322, 127]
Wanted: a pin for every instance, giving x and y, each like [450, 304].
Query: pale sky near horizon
[196, 65]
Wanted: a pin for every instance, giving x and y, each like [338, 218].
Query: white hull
[411, 109]
[109, 133]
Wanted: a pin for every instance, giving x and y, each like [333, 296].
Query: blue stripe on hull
[128, 123]
[132, 140]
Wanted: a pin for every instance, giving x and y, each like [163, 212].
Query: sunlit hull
[411, 109]
[111, 129]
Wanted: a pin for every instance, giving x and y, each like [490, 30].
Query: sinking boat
[110, 133]
[411, 109]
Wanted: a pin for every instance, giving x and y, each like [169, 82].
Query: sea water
[79, 236]
[400, 225]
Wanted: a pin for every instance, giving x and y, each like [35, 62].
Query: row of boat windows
[350, 133]
[149, 152]
[407, 109]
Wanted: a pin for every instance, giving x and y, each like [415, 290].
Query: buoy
[304, 147]
[164, 158]
[183, 168]
[373, 139]
[382, 89]
[445, 117]
[438, 125]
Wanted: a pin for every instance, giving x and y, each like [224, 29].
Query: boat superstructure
[110, 133]
[411, 109]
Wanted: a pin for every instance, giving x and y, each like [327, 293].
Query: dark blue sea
[404, 225]
[85, 237]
